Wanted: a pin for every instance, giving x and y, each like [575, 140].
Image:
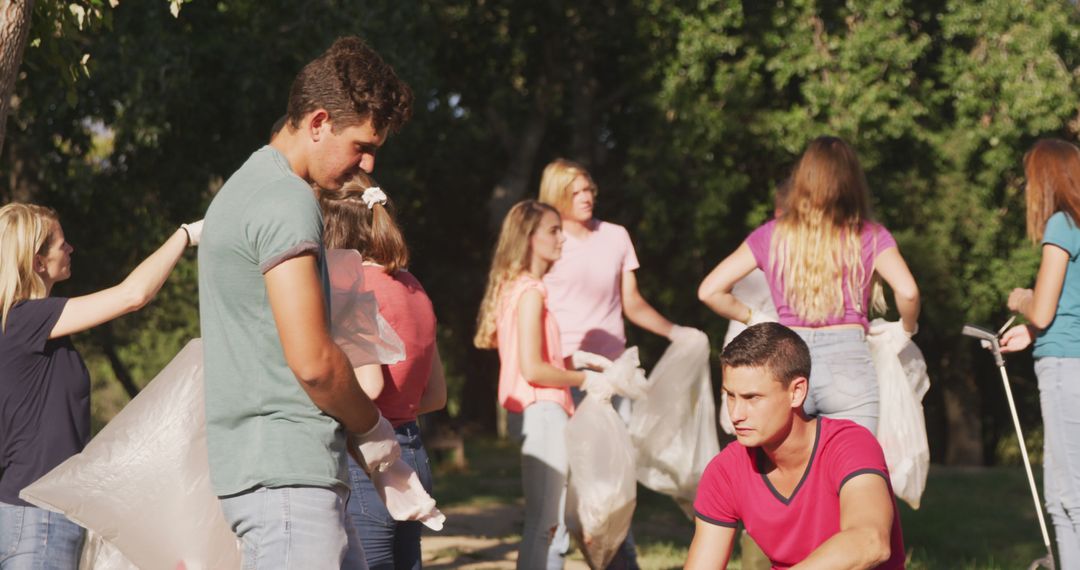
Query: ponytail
[351, 224]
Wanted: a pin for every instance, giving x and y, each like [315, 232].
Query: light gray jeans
[543, 477]
[843, 382]
[293, 527]
[1059, 396]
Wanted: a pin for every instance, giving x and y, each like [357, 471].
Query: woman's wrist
[749, 316]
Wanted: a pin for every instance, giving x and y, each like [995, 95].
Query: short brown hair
[772, 346]
[350, 224]
[353, 84]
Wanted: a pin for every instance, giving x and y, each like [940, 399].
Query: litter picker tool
[990, 340]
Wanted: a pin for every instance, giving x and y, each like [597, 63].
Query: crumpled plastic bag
[902, 382]
[141, 486]
[405, 497]
[673, 427]
[602, 490]
[355, 323]
[143, 483]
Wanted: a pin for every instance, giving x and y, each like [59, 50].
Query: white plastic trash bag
[141, 486]
[902, 382]
[673, 426]
[602, 488]
[355, 323]
[143, 483]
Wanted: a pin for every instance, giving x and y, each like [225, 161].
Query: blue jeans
[37, 539]
[1059, 396]
[843, 382]
[389, 544]
[293, 527]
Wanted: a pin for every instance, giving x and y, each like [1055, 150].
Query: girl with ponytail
[822, 257]
[360, 217]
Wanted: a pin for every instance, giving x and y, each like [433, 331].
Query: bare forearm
[853, 549]
[147, 278]
[340, 396]
[544, 374]
[909, 308]
[434, 397]
[728, 306]
[642, 314]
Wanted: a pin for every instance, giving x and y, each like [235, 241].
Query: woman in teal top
[1052, 168]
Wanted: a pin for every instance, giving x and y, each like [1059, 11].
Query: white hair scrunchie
[374, 195]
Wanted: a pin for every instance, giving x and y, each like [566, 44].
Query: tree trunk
[14, 29]
[516, 180]
[108, 346]
[963, 420]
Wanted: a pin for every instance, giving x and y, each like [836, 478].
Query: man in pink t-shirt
[811, 492]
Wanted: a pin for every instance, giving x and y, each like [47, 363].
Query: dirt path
[478, 537]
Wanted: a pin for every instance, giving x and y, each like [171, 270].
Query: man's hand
[377, 449]
[405, 498]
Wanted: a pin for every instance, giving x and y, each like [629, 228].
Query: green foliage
[688, 113]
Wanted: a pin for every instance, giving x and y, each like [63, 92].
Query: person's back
[405, 305]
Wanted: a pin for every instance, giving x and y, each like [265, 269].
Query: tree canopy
[688, 113]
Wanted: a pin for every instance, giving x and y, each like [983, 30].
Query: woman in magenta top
[358, 217]
[821, 258]
[533, 377]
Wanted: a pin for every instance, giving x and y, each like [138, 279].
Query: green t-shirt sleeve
[1061, 231]
[284, 222]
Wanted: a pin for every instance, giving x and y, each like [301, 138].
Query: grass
[971, 518]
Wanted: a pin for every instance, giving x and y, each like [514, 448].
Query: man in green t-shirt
[282, 402]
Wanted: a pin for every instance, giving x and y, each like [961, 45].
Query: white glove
[626, 376]
[377, 449]
[582, 360]
[404, 496]
[194, 232]
[598, 386]
[679, 333]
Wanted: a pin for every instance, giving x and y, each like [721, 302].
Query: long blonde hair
[1052, 169]
[350, 224]
[557, 182]
[819, 235]
[512, 256]
[24, 233]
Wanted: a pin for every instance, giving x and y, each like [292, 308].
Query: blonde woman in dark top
[44, 385]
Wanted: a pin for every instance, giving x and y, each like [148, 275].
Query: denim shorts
[843, 382]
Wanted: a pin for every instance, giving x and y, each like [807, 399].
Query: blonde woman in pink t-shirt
[594, 285]
[533, 377]
[821, 257]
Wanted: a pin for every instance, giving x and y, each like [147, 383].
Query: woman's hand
[1019, 337]
[1020, 300]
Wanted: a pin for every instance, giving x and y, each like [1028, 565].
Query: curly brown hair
[353, 84]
